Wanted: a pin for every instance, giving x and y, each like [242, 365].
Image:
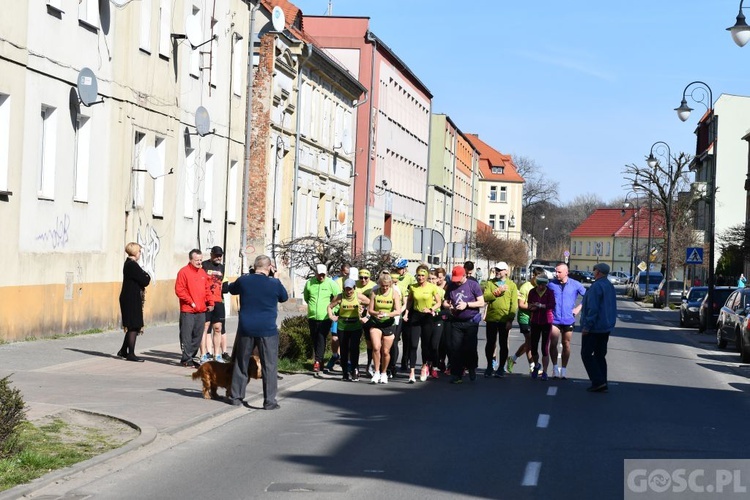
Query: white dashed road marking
[531, 476]
[542, 421]
[552, 391]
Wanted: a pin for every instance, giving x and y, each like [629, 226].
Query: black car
[581, 276]
[691, 303]
[732, 325]
[675, 293]
[720, 296]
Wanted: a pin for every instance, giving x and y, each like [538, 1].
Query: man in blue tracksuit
[566, 291]
[598, 318]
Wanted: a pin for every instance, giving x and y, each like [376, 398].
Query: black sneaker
[355, 375]
[345, 377]
[598, 388]
[488, 373]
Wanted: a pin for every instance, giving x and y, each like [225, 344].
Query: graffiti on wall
[58, 234]
[150, 243]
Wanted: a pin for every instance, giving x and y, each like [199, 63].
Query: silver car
[618, 278]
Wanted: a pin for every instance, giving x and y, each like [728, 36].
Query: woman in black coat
[133, 293]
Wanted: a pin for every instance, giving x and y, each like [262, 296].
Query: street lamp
[683, 112]
[652, 162]
[740, 31]
[544, 233]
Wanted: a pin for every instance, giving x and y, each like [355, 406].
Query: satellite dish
[193, 30]
[278, 19]
[88, 88]
[153, 163]
[202, 121]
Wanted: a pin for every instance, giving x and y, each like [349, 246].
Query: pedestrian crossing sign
[694, 255]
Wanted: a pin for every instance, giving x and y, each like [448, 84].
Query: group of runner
[442, 315]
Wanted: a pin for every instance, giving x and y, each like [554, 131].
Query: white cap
[501, 266]
[322, 269]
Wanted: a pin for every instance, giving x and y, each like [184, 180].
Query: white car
[618, 278]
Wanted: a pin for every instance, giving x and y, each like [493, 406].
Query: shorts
[525, 329]
[218, 315]
[389, 328]
[564, 328]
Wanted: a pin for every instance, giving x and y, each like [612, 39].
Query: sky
[583, 87]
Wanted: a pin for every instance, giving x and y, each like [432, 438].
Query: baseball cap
[602, 268]
[321, 269]
[458, 274]
[350, 283]
[217, 251]
[501, 266]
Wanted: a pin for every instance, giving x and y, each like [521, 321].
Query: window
[165, 27]
[4, 141]
[195, 54]
[498, 170]
[237, 70]
[88, 11]
[82, 162]
[47, 153]
[145, 41]
[232, 194]
[607, 249]
[139, 167]
[55, 4]
[501, 223]
[492, 221]
[503, 194]
[161, 152]
[588, 248]
[208, 189]
[190, 169]
[493, 193]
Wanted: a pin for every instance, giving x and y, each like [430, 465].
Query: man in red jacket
[193, 288]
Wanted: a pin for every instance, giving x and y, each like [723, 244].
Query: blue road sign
[694, 255]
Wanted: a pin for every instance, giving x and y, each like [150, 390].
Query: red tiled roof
[490, 157]
[609, 222]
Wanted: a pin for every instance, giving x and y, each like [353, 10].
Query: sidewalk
[158, 396]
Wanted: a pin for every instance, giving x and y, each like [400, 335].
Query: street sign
[694, 255]
[642, 266]
[382, 244]
[566, 254]
[428, 241]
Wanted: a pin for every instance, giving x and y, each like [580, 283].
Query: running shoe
[534, 373]
[488, 372]
[412, 379]
[544, 376]
[220, 359]
[205, 358]
[499, 374]
[434, 373]
[555, 372]
[316, 366]
[383, 378]
[371, 368]
[423, 373]
[509, 364]
[355, 375]
[225, 356]
[345, 377]
[531, 367]
[332, 362]
[375, 378]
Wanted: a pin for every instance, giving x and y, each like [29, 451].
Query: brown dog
[215, 375]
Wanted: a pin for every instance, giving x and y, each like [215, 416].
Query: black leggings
[422, 327]
[319, 332]
[349, 345]
[394, 347]
[496, 329]
[538, 331]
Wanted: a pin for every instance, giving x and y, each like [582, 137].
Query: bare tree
[663, 185]
[306, 252]
[493, 249]
[537, 188]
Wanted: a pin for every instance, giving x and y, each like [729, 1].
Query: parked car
[581, 276]
[618, 278]
[675, 293]
[733, 326]
[640, 290]
[691, 303]
[721, 293]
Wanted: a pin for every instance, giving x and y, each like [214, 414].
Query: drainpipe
[307, 53]
[427, 187]
[453, 190]
[370, 38]
[354, 175]
[472, 222]
[248, 134]
[236, 37]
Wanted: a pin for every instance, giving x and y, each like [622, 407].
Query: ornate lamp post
[683, 112]
[740, 31]
[652, 162]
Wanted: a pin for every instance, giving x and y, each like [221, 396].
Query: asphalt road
[672, 395]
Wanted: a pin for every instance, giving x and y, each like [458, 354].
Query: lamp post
[652, 162]
[633, 229]
[740, 31]
[683, 112]
[544, 233]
